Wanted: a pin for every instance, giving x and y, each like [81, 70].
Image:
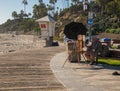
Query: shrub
[115, 31]
[114, 47]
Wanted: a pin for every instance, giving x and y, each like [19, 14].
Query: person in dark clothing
[94, 50]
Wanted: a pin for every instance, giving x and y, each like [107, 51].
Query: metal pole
[90, 39]
[90, 15]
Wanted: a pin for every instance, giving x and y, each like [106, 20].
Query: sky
[8, 6]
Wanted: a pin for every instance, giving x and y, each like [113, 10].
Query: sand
[12, 43]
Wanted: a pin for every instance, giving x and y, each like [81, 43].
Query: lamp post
[90, 15]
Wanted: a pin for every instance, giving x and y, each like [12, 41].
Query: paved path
[29, 71]
[38, 70]
[83, 77]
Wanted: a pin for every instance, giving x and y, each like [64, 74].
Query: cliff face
[76, 16]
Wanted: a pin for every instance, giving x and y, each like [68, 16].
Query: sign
[43, 26]
[90, 21]
[90, 14]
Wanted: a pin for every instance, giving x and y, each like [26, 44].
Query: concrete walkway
[83, 77]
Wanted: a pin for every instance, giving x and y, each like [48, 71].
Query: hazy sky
[8, 6]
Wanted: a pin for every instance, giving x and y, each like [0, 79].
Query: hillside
[104, 26]
[75, 14]
[21, 26]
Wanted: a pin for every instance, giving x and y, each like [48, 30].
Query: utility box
[47, 26]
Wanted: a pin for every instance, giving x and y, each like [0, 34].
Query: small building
[47, 25]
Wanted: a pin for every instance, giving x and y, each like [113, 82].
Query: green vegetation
[21, 26]
[114, 47]
[115, 31]
[109, 61]
[107, 16]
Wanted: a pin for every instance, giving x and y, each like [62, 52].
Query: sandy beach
[12, 43]
[25, 64]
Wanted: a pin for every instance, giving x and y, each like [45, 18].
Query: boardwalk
[29, 71]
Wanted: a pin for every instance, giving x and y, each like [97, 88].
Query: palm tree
[40, 1]
[36, 11]
[25, 3]
[39, 10]
[52, 2]
[21, 15]
[14, 14]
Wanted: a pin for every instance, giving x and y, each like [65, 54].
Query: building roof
[46, 19]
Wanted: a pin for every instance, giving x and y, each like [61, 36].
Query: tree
[40, 1]
[102, 4]
[39, 10]
[49, 8]
[21, 15]
[25, 3]
[36, 11]
[52, 6]
[56, 15]
[14, 14]
[113, 7]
